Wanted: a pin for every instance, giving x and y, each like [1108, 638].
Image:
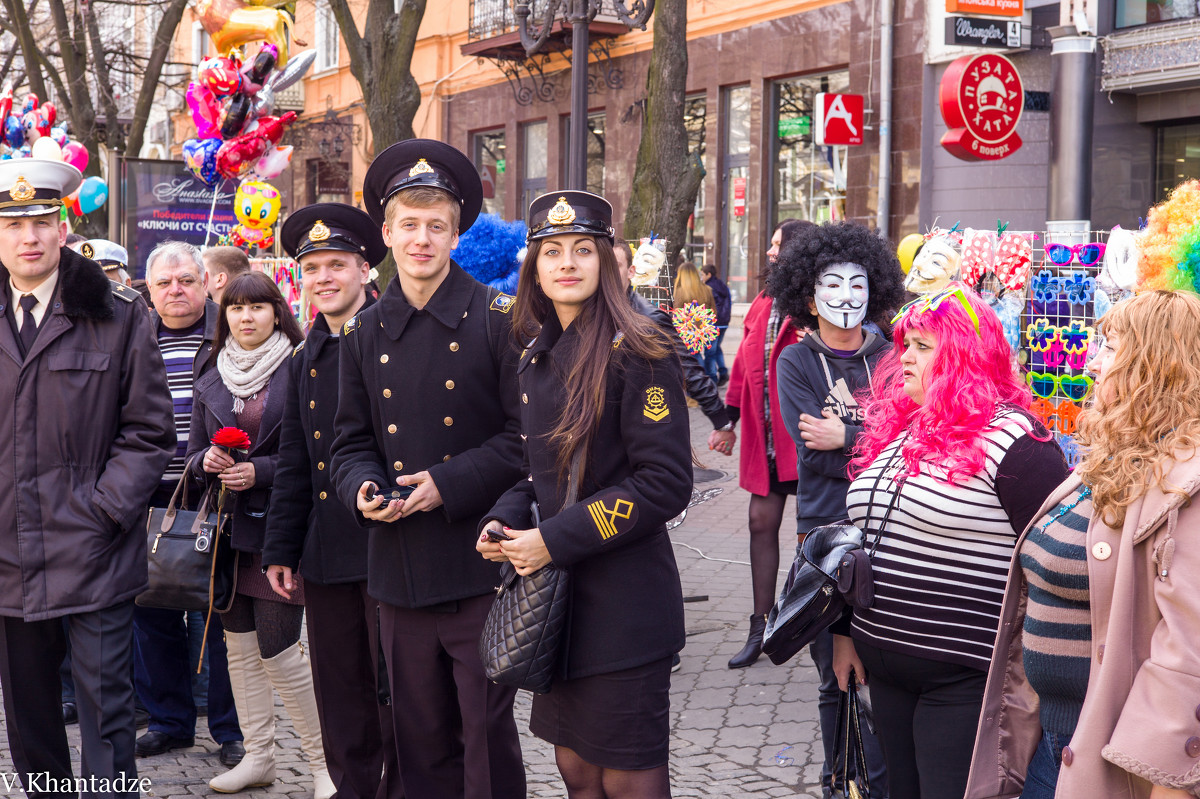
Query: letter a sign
[839, 119]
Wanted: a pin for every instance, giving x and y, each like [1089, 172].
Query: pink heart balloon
[76, 155]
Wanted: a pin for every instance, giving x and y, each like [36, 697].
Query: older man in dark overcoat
[87, 432]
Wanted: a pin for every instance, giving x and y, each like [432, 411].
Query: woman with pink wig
[949, 470]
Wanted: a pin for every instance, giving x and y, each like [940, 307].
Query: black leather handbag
[810, 600]
[527, 626]
[853, 774]
[191, 563]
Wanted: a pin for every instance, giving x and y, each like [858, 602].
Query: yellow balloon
[908, 250]
[232, 23]
[256, 205]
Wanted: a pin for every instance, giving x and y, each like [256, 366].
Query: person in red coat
[768, 460]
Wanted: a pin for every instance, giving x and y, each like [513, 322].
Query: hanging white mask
[841, 295]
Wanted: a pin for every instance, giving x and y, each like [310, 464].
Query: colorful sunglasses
[1046, 384]
[1076, 288]
[932, 302]
[1057, 345]
[1059, 417]
[1086, 254]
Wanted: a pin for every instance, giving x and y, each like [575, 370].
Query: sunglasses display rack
[1058, 335]
[662, 289]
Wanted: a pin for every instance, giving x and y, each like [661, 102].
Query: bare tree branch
[163, 36]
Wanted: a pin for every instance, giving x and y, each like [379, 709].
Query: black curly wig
[801, 261]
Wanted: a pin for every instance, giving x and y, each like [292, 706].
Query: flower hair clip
[933, 301]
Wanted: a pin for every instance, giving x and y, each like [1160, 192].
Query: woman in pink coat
[768, 460]
[1094, 686]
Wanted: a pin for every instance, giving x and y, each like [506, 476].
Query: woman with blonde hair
[1095, 677]
[689, 287]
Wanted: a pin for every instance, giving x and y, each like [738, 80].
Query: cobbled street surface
[751, 732]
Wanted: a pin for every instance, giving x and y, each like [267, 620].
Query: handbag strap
[895, 496]
[860, 753]
[180, 488]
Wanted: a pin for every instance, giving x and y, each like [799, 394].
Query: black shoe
[159, 743]
[232, 753]
[753, 647]
[676, 663]
[70, 714]
[141, 718]
[722, 379]
[201, 710]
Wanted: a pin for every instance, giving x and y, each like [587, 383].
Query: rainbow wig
[972, 373]
[1170, 242]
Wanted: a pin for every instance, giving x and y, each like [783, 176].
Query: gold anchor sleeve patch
[655, 409]
[612, 514]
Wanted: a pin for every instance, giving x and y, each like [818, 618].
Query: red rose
[232, 438]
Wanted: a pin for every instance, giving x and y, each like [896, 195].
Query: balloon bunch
[237, 135]
[30, 132]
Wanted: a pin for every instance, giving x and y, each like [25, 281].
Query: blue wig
[488, 251]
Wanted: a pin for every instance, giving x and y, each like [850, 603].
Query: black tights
[587, 781]
[277, 623]
[766, 514]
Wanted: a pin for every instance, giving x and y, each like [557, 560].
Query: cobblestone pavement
[750, 732]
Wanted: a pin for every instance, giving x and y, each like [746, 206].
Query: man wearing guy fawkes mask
[832, 279]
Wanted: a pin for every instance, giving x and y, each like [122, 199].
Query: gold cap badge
[22, 190]
[319, 232]
[562, 213]
[422, 167]
[87, 251]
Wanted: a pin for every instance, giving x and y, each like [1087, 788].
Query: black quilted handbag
[527, 625]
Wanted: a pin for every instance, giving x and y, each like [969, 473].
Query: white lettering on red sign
[839, 119]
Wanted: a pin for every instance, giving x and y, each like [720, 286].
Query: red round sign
[981, 100]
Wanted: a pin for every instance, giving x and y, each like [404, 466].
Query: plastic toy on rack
[653, 275]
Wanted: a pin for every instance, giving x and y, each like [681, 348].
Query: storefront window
[489, 155]
[1178, 158]
[809, 181]
[533, 174]
[1143, 12]
[694, 118]
[735, 175]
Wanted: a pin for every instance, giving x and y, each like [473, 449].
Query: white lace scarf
[246, 372]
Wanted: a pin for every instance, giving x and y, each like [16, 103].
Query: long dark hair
[246, 289]
[602, 316]
[788, 230]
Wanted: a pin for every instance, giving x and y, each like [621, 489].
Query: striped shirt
[943, 559]
[1057, 638]
[179, 348]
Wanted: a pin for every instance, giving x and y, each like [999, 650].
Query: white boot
[291, 675]
[256, 715]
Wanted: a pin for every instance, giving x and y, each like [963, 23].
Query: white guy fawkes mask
[841, 295]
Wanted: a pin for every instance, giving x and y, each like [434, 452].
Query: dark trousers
[455, 732]
[828, 705]
[102, 649]
[714, 359]
[163, 669]
[356, 730]
[926, 714]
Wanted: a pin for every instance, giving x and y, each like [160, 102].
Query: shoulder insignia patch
[655, 410]
[613, 519]
[617, 339]
[121, 291]
[351, 325]
[296, 351]
[503, 302]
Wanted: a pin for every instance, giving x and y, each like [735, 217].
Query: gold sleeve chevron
[612, 514]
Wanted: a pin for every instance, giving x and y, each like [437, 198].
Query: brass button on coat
[321, 466]
[445, 459]
[450, 385]
[391, 428]
[398, 465]
[312, 403]
[448, 421]
[316, 434]
[387, 393]
[525, 398]
[312, 372]
[323, 495]
[383, 358]
[1101, 550]
[454, 346]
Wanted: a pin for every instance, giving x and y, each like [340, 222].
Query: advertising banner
[166, 202]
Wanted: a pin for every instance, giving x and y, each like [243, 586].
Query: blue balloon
[200, 155]
[14, 131]
[92, 194]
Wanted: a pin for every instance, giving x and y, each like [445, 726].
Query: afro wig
[793, 281]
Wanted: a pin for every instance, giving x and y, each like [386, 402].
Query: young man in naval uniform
[428, 401]
[88, 430]
[309, 530]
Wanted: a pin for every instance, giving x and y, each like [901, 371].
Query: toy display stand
[662, 289]
[286, 274]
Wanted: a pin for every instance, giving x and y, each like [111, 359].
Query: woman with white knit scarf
[256, 334]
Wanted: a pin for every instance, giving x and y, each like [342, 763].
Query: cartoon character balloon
[256, 206]
[232, 23]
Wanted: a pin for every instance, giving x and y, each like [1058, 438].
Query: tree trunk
[73, 52]
[666, 178]
[163, 37]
